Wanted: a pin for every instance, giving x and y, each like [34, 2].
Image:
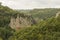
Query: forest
[35, 24]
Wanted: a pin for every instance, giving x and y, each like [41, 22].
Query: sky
[31, 4]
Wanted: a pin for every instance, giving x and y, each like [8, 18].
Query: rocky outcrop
[20, 22]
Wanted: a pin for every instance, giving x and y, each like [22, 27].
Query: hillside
[45, 30]
[6, 16]
[36, 24]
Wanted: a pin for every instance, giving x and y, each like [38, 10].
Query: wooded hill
[44, 25]
[41, 13]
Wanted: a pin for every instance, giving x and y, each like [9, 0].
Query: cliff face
[20, 22]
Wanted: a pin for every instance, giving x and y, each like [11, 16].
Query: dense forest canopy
[39, 24]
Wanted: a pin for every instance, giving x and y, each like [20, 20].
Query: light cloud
[30, 4]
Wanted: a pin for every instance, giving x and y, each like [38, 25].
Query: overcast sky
[31, 4]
